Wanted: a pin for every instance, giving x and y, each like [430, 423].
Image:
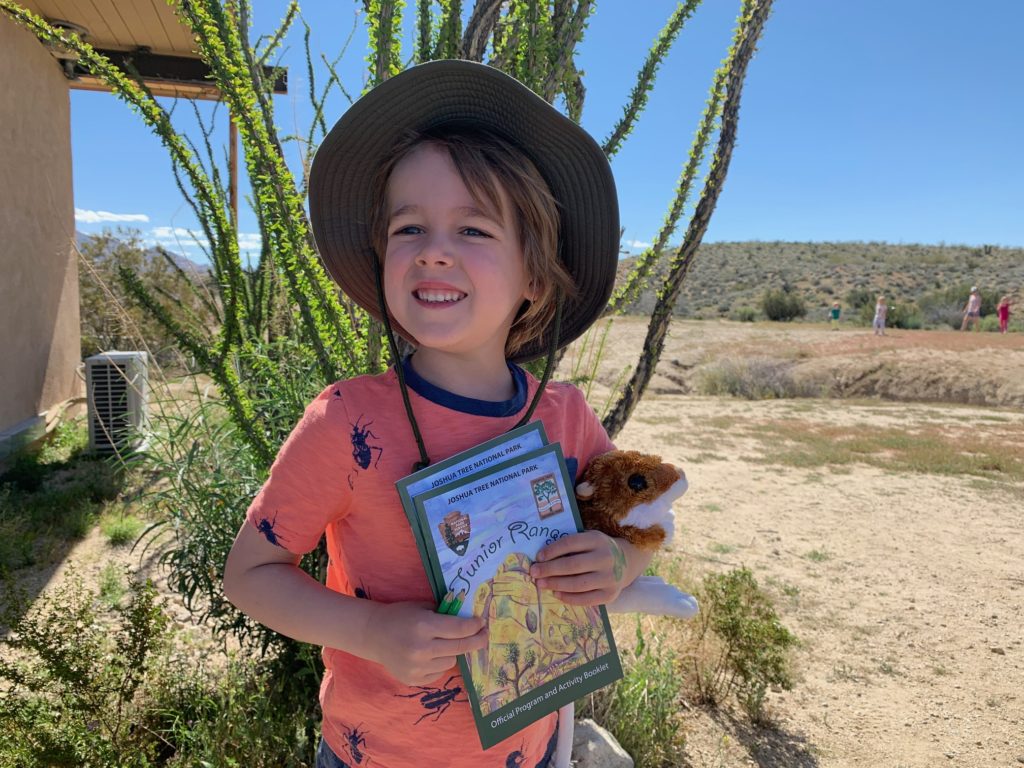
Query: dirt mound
[907, 366]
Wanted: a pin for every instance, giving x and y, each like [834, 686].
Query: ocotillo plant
[284, 308]
[533, 40]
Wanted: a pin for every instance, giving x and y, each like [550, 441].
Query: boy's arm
[589, 568]
[415, 644]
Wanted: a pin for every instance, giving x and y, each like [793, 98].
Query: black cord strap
[424, 461]
[549, 364]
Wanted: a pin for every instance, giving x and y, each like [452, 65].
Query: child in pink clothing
[453, 204]
[1003, 312]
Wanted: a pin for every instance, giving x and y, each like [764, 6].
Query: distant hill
[726, 277]
[186, 264]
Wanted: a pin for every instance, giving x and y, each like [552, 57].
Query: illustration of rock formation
[534, 637]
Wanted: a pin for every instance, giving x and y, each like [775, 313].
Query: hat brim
[459, 92]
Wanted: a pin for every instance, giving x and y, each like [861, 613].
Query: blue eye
[474, 232]
[412, 229]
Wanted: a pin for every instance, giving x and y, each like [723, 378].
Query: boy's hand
[417, 645]
[588, 568]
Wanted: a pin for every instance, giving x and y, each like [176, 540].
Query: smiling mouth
[439, 297]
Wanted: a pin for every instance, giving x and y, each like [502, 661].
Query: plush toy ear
[584, 490]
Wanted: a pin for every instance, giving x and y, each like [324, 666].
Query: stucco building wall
[39, 330]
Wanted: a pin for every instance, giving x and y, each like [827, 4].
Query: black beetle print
[435, 700]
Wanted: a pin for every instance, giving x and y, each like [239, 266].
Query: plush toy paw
[651, 595]
[629, 495]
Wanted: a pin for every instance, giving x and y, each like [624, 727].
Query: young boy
[482, 224]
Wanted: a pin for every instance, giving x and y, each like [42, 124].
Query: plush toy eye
[637, 482]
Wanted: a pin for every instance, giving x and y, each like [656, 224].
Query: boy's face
[453, 271]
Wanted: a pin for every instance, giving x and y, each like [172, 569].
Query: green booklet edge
[602, 671]
[408, 500]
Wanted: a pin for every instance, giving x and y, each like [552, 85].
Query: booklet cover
[481, 532]
[501, 448]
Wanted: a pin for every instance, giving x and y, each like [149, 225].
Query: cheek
[392, 275]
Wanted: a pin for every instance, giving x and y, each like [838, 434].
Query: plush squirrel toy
[629, 495]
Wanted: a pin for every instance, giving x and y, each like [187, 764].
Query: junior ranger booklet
[479, 533]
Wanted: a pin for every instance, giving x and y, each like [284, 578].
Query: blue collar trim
[468, 405]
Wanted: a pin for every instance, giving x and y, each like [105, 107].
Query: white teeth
[438, 296]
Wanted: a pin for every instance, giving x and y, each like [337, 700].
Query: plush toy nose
[668, 474]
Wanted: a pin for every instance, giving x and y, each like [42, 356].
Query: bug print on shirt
[266, 527]
[435, 700]
[355, 743]
[362, 449]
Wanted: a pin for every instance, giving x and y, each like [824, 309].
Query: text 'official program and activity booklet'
[479, 519]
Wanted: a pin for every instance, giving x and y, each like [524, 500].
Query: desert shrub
[744, 314]
[860, 297]
[111, 320]
[641, 710]
[93, 687]
[69, 699]
[120, 526]
[211, 474]
[743, 648]
[782, 305]
[990, 323]
[229, 716]
[906, 316]
[900, 315]
[756, 378]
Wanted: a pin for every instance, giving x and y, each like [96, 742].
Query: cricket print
[266, 527]
[435, 701]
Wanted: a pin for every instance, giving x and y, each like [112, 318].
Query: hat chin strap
[549, 364]
[424, 461]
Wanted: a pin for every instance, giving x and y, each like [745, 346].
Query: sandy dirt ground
[905, 588]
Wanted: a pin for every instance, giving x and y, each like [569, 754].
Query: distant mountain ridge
[186, 264]
[726, 277]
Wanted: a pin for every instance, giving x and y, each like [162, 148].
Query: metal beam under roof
[141, 35]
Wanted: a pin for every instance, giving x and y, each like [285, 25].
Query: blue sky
[876, 120]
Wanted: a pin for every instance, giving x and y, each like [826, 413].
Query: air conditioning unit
[117, 388]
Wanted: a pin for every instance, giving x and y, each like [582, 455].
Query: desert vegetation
[153, 667]
[926, 285]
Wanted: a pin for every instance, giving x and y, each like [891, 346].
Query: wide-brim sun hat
[462, 93]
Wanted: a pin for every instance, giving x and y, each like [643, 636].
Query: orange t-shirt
[336, 474]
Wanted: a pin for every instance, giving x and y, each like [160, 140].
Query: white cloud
[96, 217]
[637, 244]
[249, 241]
[174, 238]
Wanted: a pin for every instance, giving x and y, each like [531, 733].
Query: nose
[436, 251]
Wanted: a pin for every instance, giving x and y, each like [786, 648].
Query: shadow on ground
[766, 746]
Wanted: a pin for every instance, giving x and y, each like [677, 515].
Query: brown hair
[486, 163]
